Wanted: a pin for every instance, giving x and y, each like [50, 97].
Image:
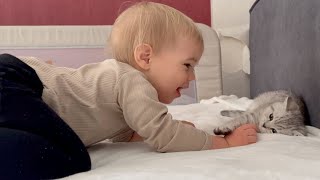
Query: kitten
[273, 112]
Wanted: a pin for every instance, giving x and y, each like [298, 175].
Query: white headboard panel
[73, 46]
[208, 72]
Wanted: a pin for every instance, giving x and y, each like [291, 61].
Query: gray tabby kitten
[273, 112]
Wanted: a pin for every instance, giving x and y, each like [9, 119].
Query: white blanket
[274, 156]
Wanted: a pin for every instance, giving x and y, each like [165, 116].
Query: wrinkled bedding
[274, 156]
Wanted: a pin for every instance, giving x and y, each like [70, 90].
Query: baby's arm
[243, 135]
[136, 137]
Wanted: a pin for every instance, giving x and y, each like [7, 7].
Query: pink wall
[85, 12]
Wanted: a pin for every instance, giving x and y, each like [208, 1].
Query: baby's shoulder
[125, 71]
[122, 68]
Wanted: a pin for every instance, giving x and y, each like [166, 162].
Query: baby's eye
[188, 65]
[273, 130]
[271, 117]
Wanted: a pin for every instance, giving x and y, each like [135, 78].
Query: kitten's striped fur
[273, 112]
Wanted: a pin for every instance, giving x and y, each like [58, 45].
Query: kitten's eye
[273, 130]
[271, 117]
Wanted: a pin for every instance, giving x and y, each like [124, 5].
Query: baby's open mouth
[179, 91]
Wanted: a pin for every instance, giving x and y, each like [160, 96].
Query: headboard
[73, 46]
[74, 32]
[284, 50]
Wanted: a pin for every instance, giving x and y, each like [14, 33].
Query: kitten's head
[284, 118]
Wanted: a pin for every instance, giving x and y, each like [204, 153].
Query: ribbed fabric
[110, 100]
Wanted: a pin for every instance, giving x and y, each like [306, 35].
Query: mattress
[274, 156]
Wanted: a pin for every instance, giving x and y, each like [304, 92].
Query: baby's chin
[166, 100]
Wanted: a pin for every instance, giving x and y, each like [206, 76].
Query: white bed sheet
[274, 156]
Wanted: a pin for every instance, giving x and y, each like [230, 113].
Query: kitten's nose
[264, 125]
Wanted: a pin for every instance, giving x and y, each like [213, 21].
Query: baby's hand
[136, 137]
[49, 62]
[243, 135]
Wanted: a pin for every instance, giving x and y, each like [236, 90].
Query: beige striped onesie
[111, 100]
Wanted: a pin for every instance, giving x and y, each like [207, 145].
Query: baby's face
[173, 68]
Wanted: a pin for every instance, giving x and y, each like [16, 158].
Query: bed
[274, 156]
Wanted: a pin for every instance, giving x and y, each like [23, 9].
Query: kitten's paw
[222, 131]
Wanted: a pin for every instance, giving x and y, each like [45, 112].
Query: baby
[49, 114]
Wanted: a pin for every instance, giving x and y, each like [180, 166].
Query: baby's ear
[291, 105]
[142, 54]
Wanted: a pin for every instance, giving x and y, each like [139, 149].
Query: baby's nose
[185, 85]
[191, 76]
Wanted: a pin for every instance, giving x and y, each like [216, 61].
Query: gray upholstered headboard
[285, 50]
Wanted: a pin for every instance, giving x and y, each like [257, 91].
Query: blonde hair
[149, 23]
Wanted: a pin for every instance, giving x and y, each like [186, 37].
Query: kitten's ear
[291, 105]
